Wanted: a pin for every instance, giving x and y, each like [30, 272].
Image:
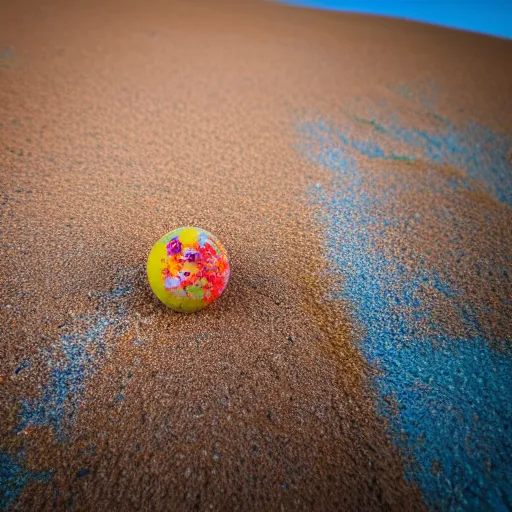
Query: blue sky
[492, 17]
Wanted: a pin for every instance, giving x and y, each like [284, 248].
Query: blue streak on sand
[454, 395]
[478, 150]
[483, 153]
[25, 364]
[14, 477]
[75, 358]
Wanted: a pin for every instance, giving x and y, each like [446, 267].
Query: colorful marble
[188, 269]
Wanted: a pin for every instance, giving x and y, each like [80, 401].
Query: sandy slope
[120, 122]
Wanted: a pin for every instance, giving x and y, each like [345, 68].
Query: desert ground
[358, 171]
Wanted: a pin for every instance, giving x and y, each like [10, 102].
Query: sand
[121, 121]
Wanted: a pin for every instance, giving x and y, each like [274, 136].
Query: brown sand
[120, 122]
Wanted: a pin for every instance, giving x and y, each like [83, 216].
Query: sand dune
[121, 121]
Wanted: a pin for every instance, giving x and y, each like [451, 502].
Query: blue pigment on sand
[73, 360]
[481, 152]
[21, 367]
[448, 398]
[75, 357]
[476, 149]
[14, 477]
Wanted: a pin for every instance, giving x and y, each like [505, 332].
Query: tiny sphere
[188, 269]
